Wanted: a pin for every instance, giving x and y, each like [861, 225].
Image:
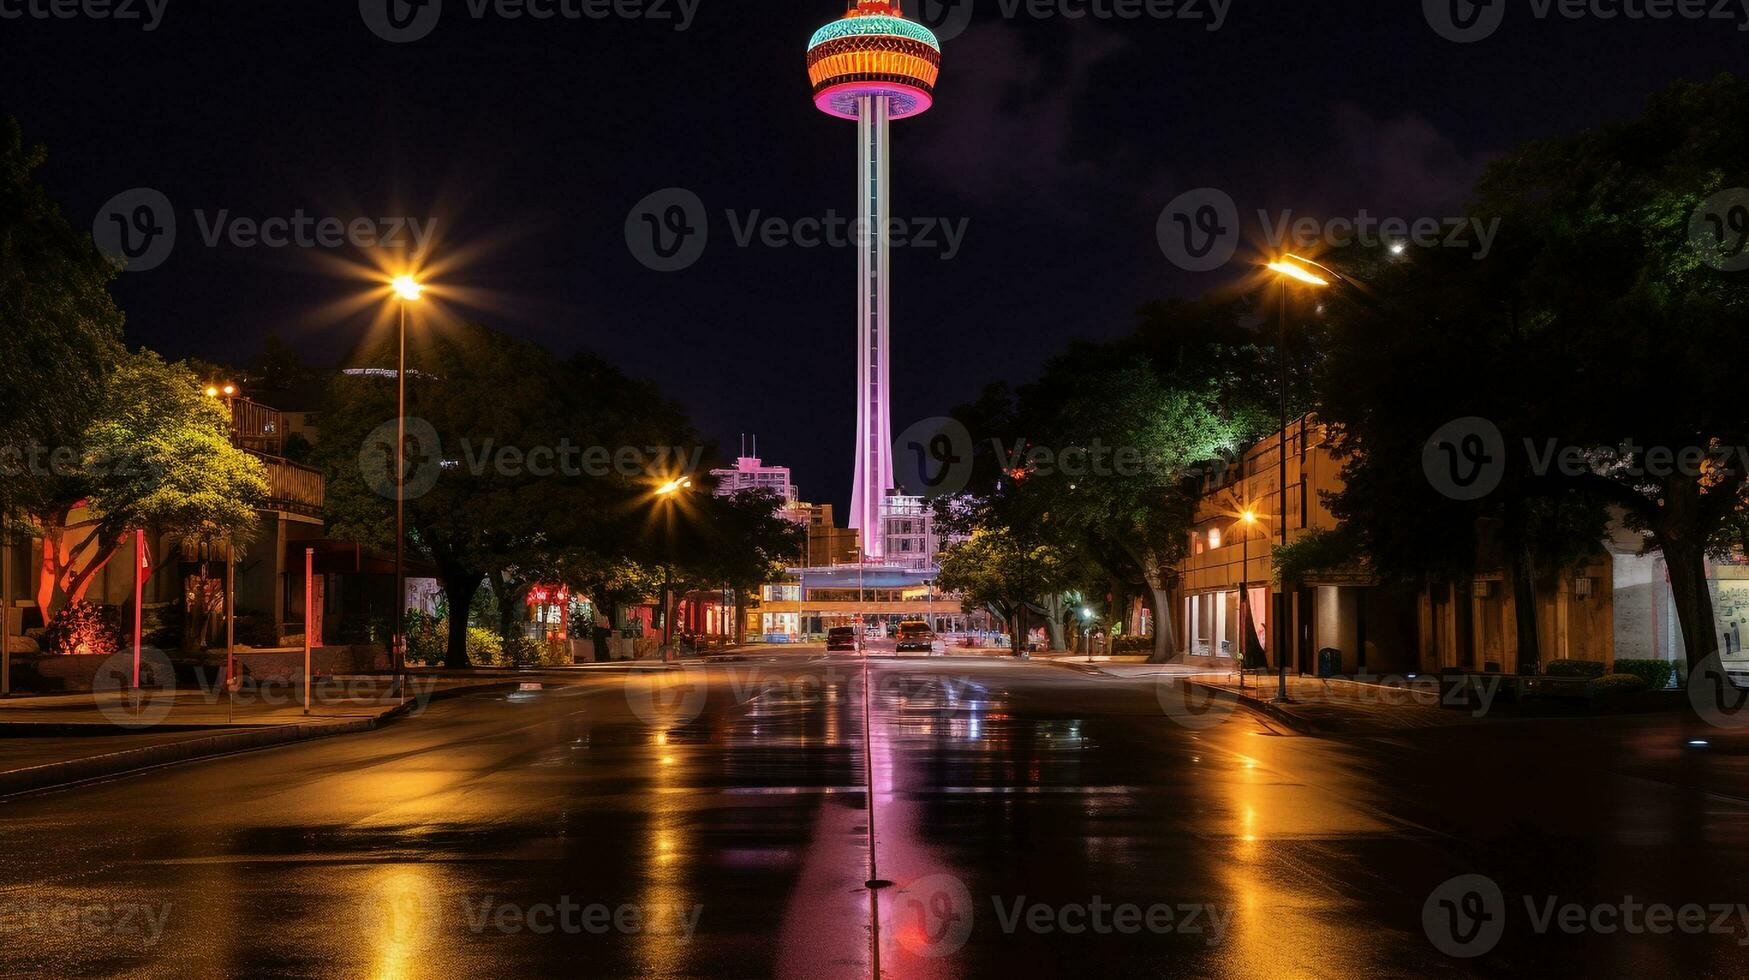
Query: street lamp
[1289, 267]
[1087, 631]
[668, 492]
[408, 290]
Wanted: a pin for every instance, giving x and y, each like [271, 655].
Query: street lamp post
[667, 492]
[1286, 270]
[408, 290]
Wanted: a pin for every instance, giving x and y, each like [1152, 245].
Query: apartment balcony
[292, 487]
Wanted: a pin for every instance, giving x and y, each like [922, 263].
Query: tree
[60, 329]
[1005, 572]
[1104, 451]
[477, 402]
[1631, 316]
[157, 455]
[747, 543]
[524, 482]
[1443, 308]
[1600, 329]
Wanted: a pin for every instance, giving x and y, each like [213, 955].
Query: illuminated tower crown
[874, 50]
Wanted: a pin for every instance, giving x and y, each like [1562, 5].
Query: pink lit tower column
[873, 66]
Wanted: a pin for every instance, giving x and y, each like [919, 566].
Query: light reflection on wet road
[710, 822]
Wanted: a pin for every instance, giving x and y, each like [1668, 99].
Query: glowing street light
[1293, 271]
[673, 486]
[407, 289]
[1288, 267]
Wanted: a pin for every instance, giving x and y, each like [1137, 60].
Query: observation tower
[873, 66]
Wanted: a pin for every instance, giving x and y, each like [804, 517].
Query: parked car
[841, 638]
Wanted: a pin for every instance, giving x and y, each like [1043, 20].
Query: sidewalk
[55, 740]
[1339, 706]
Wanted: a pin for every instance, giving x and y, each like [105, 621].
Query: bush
[1574, 668]
[83, 628]
[520, 651]
[1131, 645]
[427, 638]
[428, 642]
[556, 653]
[1619, 684]
[1658, 673]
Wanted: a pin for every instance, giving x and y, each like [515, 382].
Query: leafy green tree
[1102, 455]
[747, 543]
[1601, 322]
[1443, 308]
[540, 472]
[1005, 572]
[60, 330]
[157, 455]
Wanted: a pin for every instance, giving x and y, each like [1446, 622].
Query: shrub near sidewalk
[1574, 668]
[1657, 673]
[1614, 685]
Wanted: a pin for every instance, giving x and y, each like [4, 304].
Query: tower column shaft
[874, 435]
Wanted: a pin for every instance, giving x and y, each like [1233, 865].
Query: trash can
[1329, 662]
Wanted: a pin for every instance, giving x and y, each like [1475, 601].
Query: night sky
[528, 141]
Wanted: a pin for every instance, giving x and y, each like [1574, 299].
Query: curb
[1264, 708]
[71, 771]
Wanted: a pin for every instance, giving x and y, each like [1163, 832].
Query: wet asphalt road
[1036, 821]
